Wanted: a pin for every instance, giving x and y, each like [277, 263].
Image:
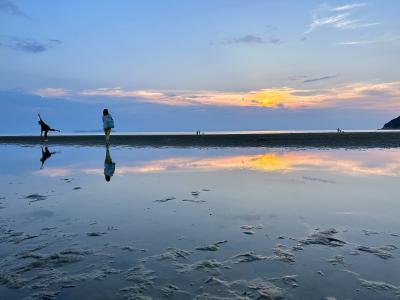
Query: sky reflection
[354, 162]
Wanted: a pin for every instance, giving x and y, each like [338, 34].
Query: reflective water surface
[142, 223]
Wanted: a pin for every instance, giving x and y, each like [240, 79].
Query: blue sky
[254, 60]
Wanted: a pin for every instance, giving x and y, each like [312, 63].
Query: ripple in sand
[194, 201]
[36, 197]
[141, 278]
[195, 194]
[95, 233]
[249, 229]
[248, 257]
[337, 260]
[282, 254]
[382, 252]
[202, 265]
[171, 290]
[164, 200]
[172, 254]
[323, 237]
[212, 247]
[380, 286]
[11, 236]
[257, 288]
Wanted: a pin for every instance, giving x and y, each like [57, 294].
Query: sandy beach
[380, 139]
[196, 222]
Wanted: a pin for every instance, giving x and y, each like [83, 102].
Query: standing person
[45, 128]
[109, 166]
[108, 123]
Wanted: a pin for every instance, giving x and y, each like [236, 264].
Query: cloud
[50, 92]
[348, 6]
[367, 95]
[9, 7]
[146, 95]
[273, 40]
[343, 19]
[27, 45]
[382, 40]
[55, 41]
[30, 46]
[355, 24]
[331, 20]
[266, 97]
[320, 78]
[247, 39]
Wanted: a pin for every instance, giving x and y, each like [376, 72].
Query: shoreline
[382, 139]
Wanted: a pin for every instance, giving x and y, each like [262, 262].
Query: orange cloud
[358, 95]
[51, 92]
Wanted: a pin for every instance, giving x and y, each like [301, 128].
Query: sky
[200, 65]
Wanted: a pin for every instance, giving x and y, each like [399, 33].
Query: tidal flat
[199, 223]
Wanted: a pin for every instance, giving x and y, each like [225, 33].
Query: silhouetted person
[45, 128]
[109, 166]
[108, 124]
[46, 154]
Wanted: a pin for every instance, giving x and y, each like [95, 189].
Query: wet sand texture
[382, 139]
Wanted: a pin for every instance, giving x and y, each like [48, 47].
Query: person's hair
[105, 112]
[108, 177]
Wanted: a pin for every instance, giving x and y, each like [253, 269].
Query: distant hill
[392, 124]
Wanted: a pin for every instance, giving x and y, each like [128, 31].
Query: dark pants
[47, 131]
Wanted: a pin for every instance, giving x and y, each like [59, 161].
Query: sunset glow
[388, 164]
[361, 95]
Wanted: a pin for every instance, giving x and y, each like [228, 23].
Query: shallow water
[206, 223]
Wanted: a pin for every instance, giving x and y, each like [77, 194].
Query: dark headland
[392, 124]
[378, 139]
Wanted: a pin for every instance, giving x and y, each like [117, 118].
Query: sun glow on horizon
[365, 95]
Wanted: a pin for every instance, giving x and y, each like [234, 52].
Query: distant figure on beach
[108, 124]
[46, 154]
[340, 130]
[109, 166]
[45, 128]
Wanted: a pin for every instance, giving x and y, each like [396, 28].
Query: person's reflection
[46, 154]
[109, 165]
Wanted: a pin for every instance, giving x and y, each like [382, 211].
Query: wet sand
[200, 224]
[380, 139]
